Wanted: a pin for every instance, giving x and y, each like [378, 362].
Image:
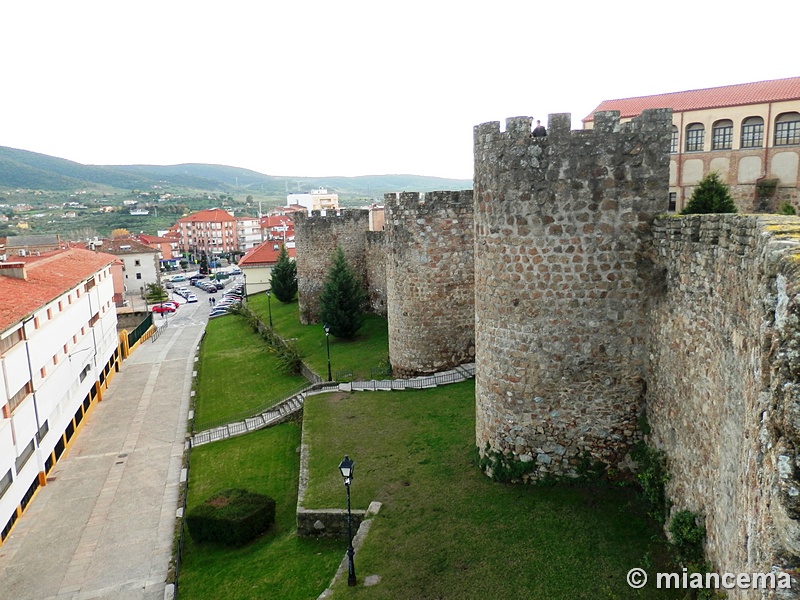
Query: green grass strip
[237, 373]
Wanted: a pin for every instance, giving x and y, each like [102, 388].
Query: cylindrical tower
[430, 281]
[560, 285]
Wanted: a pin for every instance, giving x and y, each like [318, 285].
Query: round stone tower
[430, 281]
[561, 279]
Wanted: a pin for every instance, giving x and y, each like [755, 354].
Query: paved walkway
[103, 527]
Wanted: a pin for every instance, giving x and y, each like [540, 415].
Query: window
[673, 145]
[673, 198]
[6, 482]
[49, 314]
[84, 372]
[26, 454]
[787, 129]
[138, 276]
[10, 340]
[137, 263]
[752, 132]
[36, 322]
[722, 135]
[43, 372]
[17, 398]
[695, 137]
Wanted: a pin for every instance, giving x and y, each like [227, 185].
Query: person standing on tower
[539, 130]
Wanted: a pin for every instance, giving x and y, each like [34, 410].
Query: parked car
[191, 298]
[177, 278]
[163, 308]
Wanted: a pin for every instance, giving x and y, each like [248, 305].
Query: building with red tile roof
[748, 133]
[212, 231]
[59, 348]
[257, 265]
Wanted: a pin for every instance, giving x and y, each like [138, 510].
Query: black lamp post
[346, 469]
[328, 348]
[269, 305]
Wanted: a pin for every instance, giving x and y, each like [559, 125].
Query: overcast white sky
[318, 88]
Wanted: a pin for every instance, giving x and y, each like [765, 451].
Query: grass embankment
[237, 373]
[278, 565]
[362, 357]
[447, 531]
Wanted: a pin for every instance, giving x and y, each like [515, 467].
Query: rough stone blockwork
[561, 284]
[376, 272]
[316, 238]
[430, 281]
[724, 386]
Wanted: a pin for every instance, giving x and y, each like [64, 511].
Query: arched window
[673, 146]
[787, 129]
[753, 132]
[695, 137]
[722, 135]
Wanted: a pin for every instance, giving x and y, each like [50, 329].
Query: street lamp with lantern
[269, 305]
[346, 469]
[328, 348]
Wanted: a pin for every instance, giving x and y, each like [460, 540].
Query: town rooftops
[46, 277]
[124, 245]
[264, 254]
[776, 90]
[208, 215]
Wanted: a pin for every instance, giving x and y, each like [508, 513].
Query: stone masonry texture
[561, 282]
[723, 395]
[430, 281]
[316, 238]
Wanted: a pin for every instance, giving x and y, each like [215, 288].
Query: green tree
[342, 299]
[155, 293]
[710, 196]
[204, 270]
[283, 279]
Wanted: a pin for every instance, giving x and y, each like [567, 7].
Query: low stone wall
[330, 522]
[723, 395]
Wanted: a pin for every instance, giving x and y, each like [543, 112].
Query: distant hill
[33, 171]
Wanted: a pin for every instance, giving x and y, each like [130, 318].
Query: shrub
[283, 281]
[652, 475]
[710, 196]
[231, 517]
[688, 537]
[787, 209]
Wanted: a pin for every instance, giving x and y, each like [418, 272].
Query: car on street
[191, 298]
[163, 308]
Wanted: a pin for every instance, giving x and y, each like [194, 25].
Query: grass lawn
[278, 565]
[359, 356]
[447, 531]
[237, 373]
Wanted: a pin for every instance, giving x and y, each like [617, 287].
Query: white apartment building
[58, 350]
[249, 233]
[319, 199]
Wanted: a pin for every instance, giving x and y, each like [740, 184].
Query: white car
[191, 298]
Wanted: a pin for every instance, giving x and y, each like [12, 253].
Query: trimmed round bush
[231, 517]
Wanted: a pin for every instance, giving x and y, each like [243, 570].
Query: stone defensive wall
[376, 272]
[723, 396]
[316, 238]
[430, 281]
[562, 276]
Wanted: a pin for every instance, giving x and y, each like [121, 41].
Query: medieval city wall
[723, 395]
[316, 239]
[561, 283]
[376, 272]
[430, 280]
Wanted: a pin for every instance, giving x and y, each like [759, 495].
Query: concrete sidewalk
[103, 525]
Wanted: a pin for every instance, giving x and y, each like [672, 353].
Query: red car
[163, 308]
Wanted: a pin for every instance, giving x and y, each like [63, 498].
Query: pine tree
[710, 196]
[342, 299]
[283, 279]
